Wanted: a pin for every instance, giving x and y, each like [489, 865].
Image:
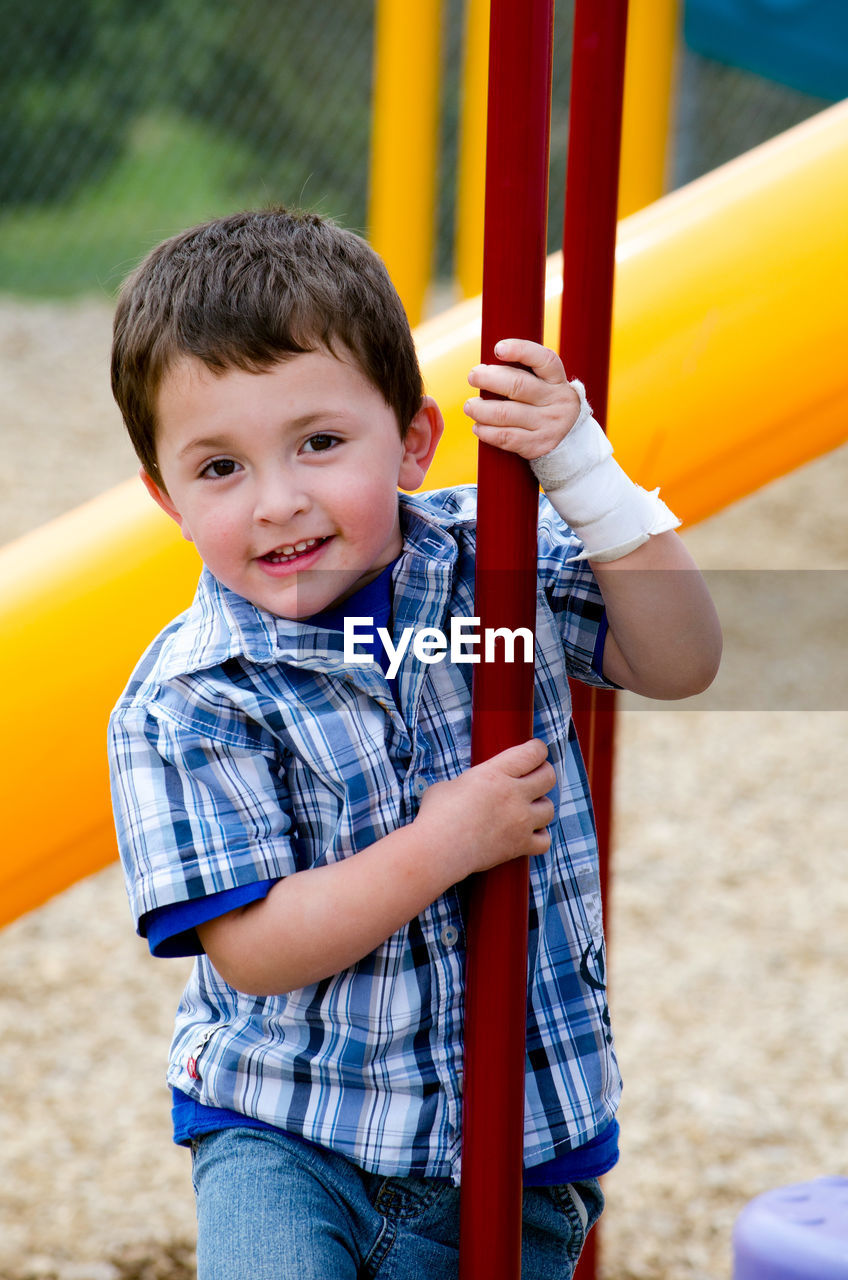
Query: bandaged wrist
[610, 514]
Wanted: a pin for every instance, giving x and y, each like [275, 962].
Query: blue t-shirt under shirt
[172, 931]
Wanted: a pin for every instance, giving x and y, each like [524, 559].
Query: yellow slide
[728, 369]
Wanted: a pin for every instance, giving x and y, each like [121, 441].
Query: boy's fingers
[540, 781]
[540, 843]
[546, 777]
[521, 760]
[518, 385]
[544, 362]
[543, 811]
[514, 414]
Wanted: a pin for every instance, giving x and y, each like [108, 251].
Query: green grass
[173, 173]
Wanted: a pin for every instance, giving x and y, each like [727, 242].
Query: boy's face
[287, 480]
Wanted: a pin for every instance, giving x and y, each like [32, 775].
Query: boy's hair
[249, 290]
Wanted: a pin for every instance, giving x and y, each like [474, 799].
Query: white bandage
[610, 514]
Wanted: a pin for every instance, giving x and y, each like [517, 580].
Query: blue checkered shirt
[244, 749]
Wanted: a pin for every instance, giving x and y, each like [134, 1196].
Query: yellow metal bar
[471, 170]
[651, 44]
[97, 602]
[404, 144]
[728, 370]
[724, 289]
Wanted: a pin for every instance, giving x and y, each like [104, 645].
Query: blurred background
[122, 121]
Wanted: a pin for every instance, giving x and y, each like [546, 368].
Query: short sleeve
[172, 931]
[200, 807]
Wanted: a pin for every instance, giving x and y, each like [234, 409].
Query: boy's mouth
[288, 551]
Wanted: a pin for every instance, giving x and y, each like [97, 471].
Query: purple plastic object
[794, 1233]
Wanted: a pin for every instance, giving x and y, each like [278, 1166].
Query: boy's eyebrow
[296, 424]
[205, 442]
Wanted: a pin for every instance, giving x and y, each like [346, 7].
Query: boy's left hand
[540, 407]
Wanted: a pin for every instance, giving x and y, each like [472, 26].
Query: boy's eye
[320, 442]
[218, 468]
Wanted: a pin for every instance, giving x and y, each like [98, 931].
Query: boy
[301, 818]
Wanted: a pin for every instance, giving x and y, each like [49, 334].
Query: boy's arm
[664, 639]
[314, 923]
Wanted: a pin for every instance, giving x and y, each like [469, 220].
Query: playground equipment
[517, 153]
[727, 370]
[405, 136]
[404, 146]
[801, 43]
[401, 219]
[798, 1232]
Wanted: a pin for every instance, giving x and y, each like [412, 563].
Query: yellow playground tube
[728, 370]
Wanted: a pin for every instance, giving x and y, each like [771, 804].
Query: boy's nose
[278, 498]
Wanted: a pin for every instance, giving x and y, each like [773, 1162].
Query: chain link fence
[121, 121]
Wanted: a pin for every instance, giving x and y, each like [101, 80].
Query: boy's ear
[423, 434]
[160, 497]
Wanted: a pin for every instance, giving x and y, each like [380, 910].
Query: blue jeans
[272, 1208]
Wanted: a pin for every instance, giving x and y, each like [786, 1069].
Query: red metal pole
[518, 136]
[594, 147]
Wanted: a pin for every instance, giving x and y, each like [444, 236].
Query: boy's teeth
[292, 549]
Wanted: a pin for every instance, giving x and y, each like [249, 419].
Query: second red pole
[589, 233]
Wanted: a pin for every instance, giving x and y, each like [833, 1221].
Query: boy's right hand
[324, 919]
[494, 811]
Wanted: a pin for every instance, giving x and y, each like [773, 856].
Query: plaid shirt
[244, 749]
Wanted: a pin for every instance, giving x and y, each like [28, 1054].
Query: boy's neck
[374, 600]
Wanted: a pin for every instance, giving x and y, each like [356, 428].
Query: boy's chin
[321, 591]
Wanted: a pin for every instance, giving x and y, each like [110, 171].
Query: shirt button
[419, 786]
[449, 935]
